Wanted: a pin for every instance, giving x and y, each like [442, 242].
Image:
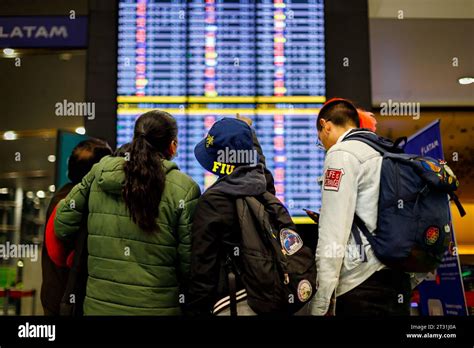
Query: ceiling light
[81, 130]
[466, 80]
[9, 51]
[65, 56]
[10, 135]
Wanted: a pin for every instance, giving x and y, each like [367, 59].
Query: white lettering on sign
[34, 32]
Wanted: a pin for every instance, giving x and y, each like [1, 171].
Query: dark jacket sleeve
[184, 232]
[261, 159]
[206, 256]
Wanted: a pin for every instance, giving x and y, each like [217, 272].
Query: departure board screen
[204, 60]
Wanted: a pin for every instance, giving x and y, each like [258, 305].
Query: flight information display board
[204, 60]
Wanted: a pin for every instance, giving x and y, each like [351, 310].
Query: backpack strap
[458, 204]
[380, 144]
[365, 140]
[363, 228]
[358, 240]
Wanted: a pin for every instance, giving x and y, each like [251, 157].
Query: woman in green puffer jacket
[140, 209]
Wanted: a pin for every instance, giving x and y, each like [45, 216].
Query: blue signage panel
[43, 31]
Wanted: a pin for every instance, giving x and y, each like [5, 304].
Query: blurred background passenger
[56, 256]
[123, 151]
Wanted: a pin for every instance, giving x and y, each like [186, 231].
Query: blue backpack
[414, 223]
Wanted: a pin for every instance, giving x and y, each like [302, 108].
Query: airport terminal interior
[276, 62]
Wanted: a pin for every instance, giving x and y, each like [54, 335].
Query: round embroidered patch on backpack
[431, 235]
[304, 290]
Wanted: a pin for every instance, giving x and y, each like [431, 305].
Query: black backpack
[275, 265]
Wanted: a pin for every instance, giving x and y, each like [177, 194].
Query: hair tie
[143, 135]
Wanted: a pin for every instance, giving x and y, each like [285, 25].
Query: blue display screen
[204, 60]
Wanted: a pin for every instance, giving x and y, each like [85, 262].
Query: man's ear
[327, 127]
[321, 124]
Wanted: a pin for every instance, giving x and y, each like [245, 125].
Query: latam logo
[429, 147]
[31, 31]
[43, 31]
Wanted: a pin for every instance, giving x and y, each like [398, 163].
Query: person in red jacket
[57, 257]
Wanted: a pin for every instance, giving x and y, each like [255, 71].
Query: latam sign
[43, 31]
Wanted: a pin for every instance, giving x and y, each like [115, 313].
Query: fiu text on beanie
[227, 145]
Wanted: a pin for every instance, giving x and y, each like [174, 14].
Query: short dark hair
[340, 112]
[84, 156]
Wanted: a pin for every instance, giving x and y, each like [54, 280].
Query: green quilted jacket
[131, 272]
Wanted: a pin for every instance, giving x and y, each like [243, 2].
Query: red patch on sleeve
[332, 179]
